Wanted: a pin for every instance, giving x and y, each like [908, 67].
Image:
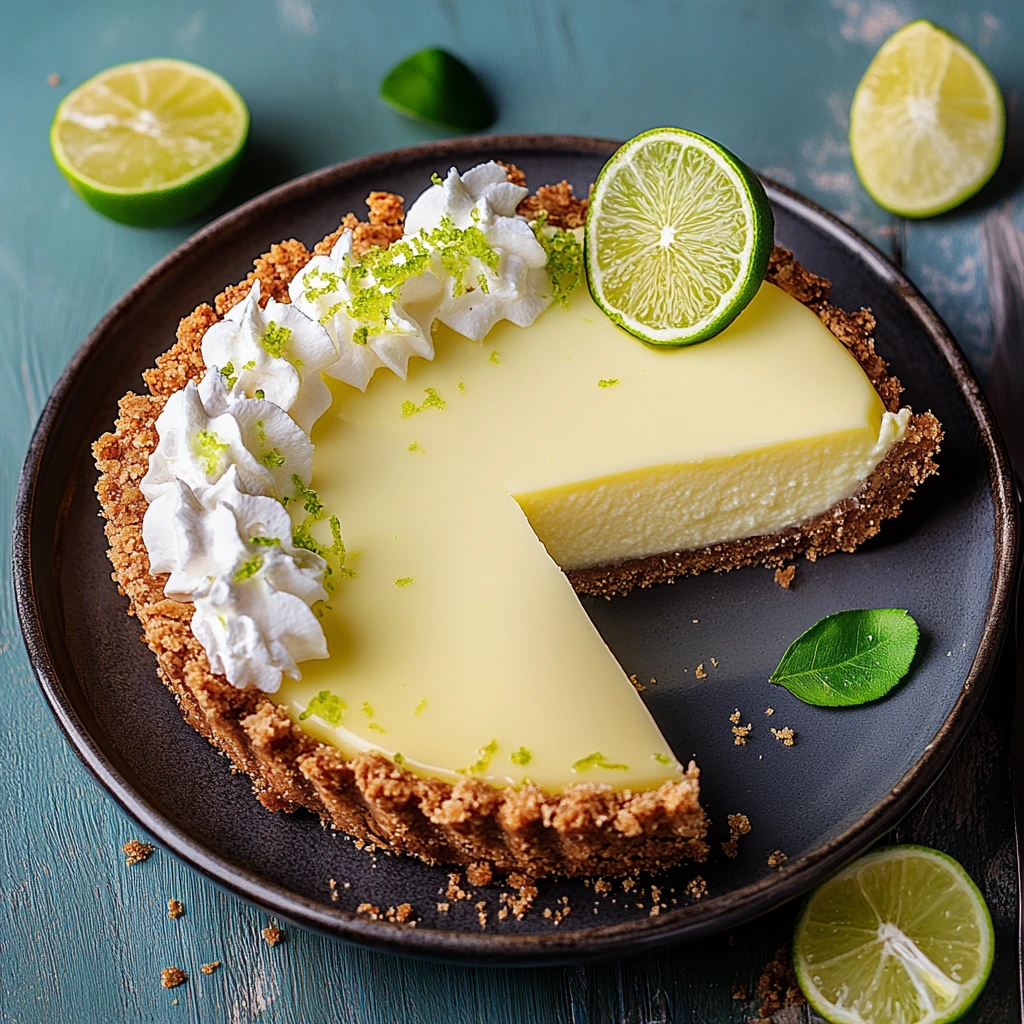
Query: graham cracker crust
[588, 829]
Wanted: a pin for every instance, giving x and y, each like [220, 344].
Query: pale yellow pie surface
[460, 645]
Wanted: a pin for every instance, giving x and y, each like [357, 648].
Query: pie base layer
[588, 829]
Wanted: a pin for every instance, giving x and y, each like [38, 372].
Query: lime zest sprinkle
[367, 708]
[662, 758]
[399, 758]
[275, 339]
[433, 400]
[462, 387]
[456, 248]
[404, 581]
[435, 178]
[597, 760]
[420, 708]
[521, 756]
[325, 705]
[249, 568]
[259, 394]
[494, 357]
[210, 449]
[608, 382]
[417, 447]
[565, 258]
[265, 542]
[251, 365]
[375, 727]
[302, 536]
[228, 372]
[484, 759]
[273, 459]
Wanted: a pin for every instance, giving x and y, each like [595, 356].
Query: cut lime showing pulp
[435, 86]
[927, 123]
[150, 143]
[901, 936]
[678, 236]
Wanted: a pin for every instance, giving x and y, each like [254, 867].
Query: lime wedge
[150, 143]
[435, 86]
[678, 236]
[901, 936]
[927, 123]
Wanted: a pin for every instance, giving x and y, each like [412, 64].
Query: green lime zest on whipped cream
[274, 341]
[249, 568]
[521, 756]
[325, 705]
[404, 581]
[565, 258]
[210, 449]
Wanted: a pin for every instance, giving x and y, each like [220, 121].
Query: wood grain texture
[83, 936]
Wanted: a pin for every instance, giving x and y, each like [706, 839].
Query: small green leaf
[434, 86]
[850, 657]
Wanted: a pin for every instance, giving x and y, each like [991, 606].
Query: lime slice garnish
[435, 86]
[901, 936]
[678, 236]
[150, 143]
[927, 123]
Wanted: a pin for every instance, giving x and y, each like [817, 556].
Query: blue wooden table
[83, 937]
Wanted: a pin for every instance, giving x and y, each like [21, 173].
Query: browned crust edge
[587, 830]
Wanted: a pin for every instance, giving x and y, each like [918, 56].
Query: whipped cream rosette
[378, 310]
[206, 429]
[276, 350]
[487, 257]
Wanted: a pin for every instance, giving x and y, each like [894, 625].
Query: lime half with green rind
[900, 936]
[678, 236]
[927, 124]
[150, 143]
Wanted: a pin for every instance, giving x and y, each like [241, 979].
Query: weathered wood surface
[83, 937]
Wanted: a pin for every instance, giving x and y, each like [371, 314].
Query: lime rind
[864, 130]
[848, 938]
[702, 267]
[176, 199]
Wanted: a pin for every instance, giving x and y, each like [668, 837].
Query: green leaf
[436, 87]
[850, 657]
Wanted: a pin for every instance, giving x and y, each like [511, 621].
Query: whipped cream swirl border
[230, 477]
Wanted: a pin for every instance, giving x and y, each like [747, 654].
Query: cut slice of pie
[469, 711]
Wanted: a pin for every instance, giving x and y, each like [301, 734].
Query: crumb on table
[700, 672]
[210, 967]
[778, 987]
[136, 851]
[272, 935]
[777, 859]
[171, 977]
[175, 908]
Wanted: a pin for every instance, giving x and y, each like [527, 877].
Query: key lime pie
[355, 509]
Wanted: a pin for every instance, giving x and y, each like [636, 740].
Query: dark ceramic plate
[852, 774]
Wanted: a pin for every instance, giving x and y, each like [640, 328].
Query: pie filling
[460, 648]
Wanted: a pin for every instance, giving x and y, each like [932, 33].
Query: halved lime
[435, 86]
[150, 143]
[927, 123]
[901, 936]
[678, 236]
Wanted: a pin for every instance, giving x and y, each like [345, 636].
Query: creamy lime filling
[460, 632]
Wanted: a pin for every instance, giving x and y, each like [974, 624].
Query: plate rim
[686, 923]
